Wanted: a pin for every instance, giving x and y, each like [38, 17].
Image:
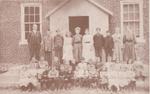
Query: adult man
[58, 45]
[48, 43]
[98, 44]
[77, 45]
[34, 42]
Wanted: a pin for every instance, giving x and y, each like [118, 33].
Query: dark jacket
[48, 43]
[98, 41]
[58, 41]
[109, 43]
[34, 38]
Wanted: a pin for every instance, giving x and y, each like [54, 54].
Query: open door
[78, 21]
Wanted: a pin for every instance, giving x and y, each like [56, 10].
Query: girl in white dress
[88, 49]
[68, 48]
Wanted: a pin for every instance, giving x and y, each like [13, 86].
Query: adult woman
[117, 46]
[68, 48]
[88, 48]
[129, 49]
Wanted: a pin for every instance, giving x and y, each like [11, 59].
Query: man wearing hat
[77, 44]
[58, 45]
[108, 45]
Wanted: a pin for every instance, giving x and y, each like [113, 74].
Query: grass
[72, 91]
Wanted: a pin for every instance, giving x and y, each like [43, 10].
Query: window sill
[23, 42]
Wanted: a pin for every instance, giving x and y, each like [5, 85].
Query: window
[30, 14]
[131, 15]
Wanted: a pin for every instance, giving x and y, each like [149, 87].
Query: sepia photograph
[74, 46]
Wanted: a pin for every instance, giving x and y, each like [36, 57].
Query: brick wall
[10, 31]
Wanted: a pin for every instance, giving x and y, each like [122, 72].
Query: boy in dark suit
[98, 43]
[58, 45]
[108, 45]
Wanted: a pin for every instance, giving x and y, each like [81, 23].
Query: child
[81, 72]
[28, 79]
[98, 44]
[56, 63]
[138, 68]
[53, 74]
[92, 70]
[108, 46]
[23, 81]
[92, 74]
[82, 68]
[43, 64]
[58, 45]
[33, 63]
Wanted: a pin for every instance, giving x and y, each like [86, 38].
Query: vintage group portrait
[74, 46]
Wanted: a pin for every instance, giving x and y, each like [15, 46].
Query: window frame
[140, 3]
[23, 41]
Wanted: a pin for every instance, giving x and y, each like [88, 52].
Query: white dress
[88, 49]
[117, 47]
[68, 49]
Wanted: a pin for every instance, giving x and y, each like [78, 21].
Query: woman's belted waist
[87, 42]
[129, 40]
[78, 42]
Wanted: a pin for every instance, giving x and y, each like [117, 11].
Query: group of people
[74, 59]
[73, 47]
[39, 75]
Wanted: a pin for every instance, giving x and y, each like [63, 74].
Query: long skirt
[129, 51]
[68, 52]
[88, 52]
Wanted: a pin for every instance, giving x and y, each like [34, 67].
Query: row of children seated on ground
[59, 76]
[39, 72]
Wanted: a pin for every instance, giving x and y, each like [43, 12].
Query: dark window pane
[26, 18]
[26, 34]
[37, 18]
[131, 8]
[136, 7]
[31, 10]
[27, 28]
[31, 18]
[125, 16]
[125, 25]
[131, 16]
[37, 10]
[26, 10]
[137, 28]
[136, 16]
[125, 8]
